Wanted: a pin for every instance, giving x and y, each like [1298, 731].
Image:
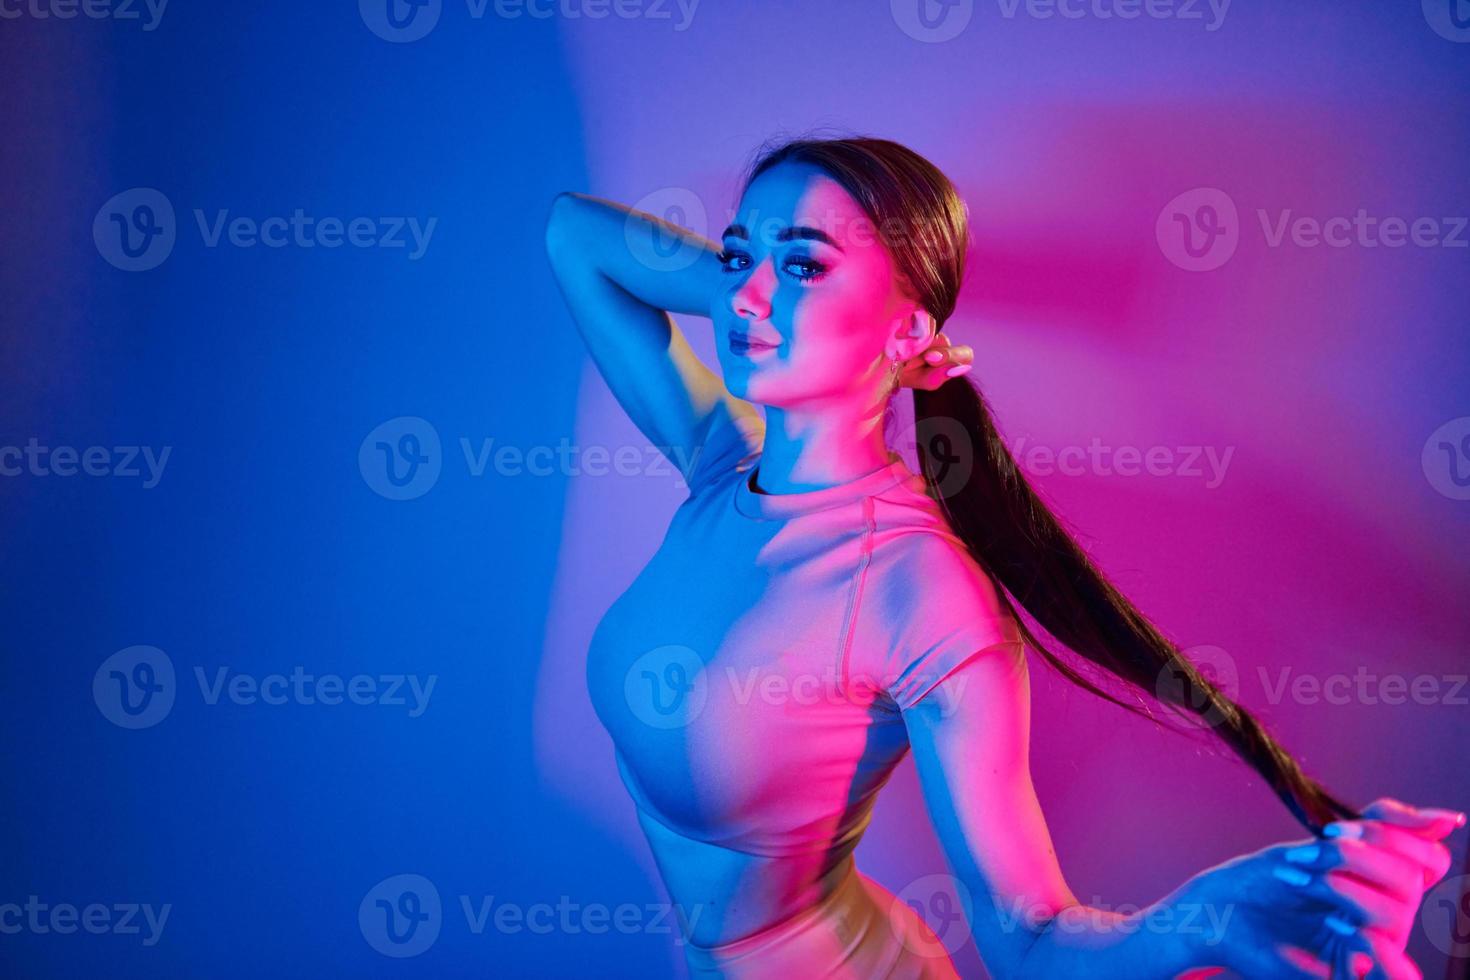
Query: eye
[813, 270]
[807, 269]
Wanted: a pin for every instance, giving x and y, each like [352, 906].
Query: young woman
[816, 610]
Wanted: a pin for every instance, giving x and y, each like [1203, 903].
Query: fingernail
[1305, 854]
[1337, 829]
[957, 370]
[1436, 813]
[1292, 876]
[934, 356]
[1339, 926]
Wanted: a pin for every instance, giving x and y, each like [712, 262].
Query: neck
[812, 449]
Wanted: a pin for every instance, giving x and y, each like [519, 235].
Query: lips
[751, 342]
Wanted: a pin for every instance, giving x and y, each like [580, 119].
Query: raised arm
[620, 291]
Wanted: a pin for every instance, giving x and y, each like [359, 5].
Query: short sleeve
[926, 610]
[728, 439]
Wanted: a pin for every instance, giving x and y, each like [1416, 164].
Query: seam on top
[855, 594]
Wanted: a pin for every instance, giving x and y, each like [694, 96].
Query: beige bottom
[860, 930]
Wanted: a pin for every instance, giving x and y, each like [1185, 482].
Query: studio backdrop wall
[310, 496]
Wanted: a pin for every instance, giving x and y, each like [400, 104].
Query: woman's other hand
[1341, 905]
[936, 364]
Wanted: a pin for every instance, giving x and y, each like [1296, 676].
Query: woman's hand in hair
[1417, 824]
[930, 367]
[1344, 903]
[1403, 844]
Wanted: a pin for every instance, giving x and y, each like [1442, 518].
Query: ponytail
[1022, 546]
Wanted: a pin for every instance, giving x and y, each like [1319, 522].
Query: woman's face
[806, 274]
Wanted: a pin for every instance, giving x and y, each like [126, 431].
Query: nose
[752, 298]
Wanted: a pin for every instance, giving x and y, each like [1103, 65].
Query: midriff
[725, 895]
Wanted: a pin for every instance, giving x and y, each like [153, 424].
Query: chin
[737, 382]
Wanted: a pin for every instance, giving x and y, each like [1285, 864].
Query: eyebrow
[786, 235]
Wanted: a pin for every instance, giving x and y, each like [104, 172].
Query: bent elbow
[560, 220]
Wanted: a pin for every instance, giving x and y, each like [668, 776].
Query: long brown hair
[1006, 527]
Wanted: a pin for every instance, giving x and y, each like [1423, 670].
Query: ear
[910, 334]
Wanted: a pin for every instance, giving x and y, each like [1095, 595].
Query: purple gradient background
[1325, 549]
